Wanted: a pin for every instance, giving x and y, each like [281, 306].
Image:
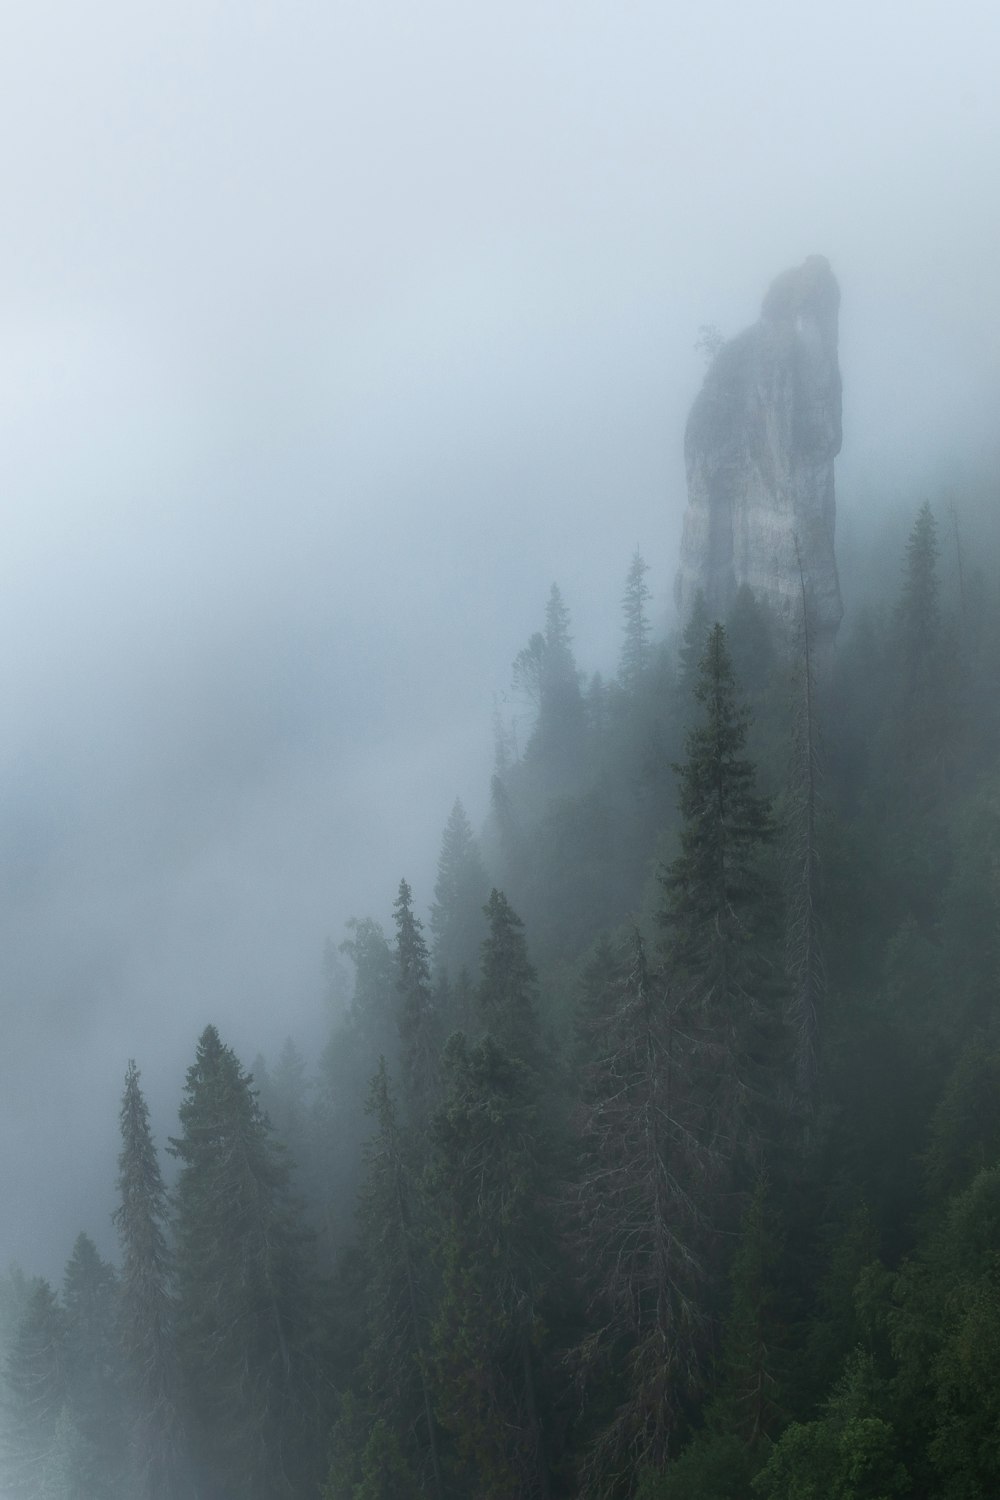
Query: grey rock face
[759, 449]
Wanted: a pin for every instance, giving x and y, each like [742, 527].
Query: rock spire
[759, 449]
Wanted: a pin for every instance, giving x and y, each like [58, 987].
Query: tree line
[663, 1163]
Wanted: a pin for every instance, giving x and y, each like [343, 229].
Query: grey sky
[330, 334]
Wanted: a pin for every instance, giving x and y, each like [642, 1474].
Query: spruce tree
[639, 1210]
[357, 1040]
[245, 1307]
[147, 1305]
[508, 985]
[416, 1017]
[635, 657]
[459, 893]
[496, 1260]
[721, 911]
[96, 1387]
[38, 1438]
[393, 1233]
[545, 673]
[805, 951]
[918, 612]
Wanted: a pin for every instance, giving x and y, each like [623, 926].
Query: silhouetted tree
[639, 1211]
[417, 1021]
[720, 912]
[147, 1305]
[495, 1260]
[635, 647]
[96, 1391]
[246, 1315]
[459, 894]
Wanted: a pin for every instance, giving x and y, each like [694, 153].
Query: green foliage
[39, 1428]
[245, 1310]
[416, 1017]
[495, 1258]
[394, 1244]
[965, 1126]
[851, 1453]
[639, 1217]
[945, 1330]
[508, 984]
[748, 1402]
[556, 748]
[367, 1032]
[96, 1400]
[147, 1305]
[460, 893]
[550, 1290]
[385, 1473]
[721, 910]
[714, 1466]
[635, 657]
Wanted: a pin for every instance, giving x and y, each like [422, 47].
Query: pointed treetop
[635, 648]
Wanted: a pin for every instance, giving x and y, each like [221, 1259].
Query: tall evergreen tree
[395, 1371]
[95, 1377]
[460, 892]
[635, 655]
[417, 1021]
[357, 1041]
[546, 670]
[639, 1209]
[245, 1309]
[720, 911]
[147, 1305]
[508, 984]
[924, 709]
[496, 1264]
[804, 936]
[918, 612]
[38, 1438]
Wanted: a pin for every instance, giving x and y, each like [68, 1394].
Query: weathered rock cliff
[759, 450]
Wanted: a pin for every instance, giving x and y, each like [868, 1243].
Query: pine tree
[245, 1305]
[508, 985]
[496, 1262]
[394, 1247]
[147, 1305]
[804, 934]
[459, 894]
[368, 1031]
[37, 1432]
[416, 1018]
[720, 911]
[561, 719]
[635, 655]
[748, 1398]
[95, 1376]
[918, 612]
[545, 672]
[639, 1209]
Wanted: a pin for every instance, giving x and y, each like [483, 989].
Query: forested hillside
[659, 1159]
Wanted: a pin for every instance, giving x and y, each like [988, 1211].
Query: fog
[330, 335]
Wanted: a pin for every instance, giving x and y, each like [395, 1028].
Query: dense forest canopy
[471, 1028]
[660, 1160]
